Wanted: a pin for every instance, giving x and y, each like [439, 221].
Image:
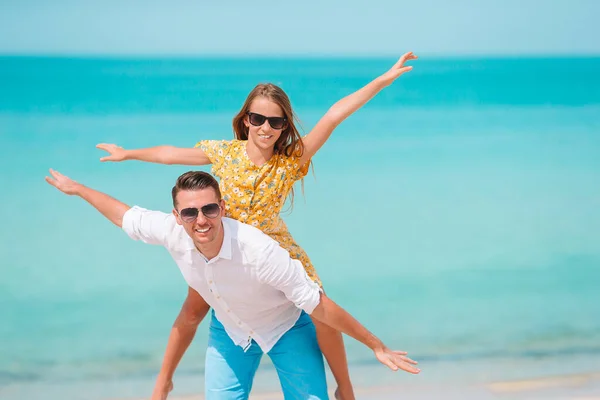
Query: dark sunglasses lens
[257, 119]
[276, 122]
[211, 210]
[189, 214]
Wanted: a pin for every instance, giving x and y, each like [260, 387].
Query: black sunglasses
[190, 214]
[258, 119]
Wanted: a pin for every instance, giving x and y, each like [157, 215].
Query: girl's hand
[398, 68]
[117, 153]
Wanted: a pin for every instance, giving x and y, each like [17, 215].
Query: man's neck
[211, 250]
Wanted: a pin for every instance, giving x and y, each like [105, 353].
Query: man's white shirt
[256, 290]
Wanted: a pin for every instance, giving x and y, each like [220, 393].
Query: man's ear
[222, 204]
[177, 217]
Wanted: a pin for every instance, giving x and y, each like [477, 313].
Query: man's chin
[201, 237]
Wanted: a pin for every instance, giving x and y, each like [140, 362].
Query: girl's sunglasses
[190, 214]
[258, 119]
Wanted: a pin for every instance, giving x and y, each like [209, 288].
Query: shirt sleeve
[298, 171]
[278, 269]
[215, 150]
[152, 227]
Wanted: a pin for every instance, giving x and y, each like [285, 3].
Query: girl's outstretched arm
[159, 154]
[348, 105]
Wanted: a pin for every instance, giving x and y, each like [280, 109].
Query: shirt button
[252, 332]
[228, 310]
[210, 282]
[239, 322]
[218, 297]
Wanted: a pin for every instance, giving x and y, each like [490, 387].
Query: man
[260, 296]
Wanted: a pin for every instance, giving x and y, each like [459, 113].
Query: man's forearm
[336, 317]
[111, 208]
[333, 315]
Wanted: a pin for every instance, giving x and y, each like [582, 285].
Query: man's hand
[111, 208]
[395, 360]
[162, 390]
[63, 183]
[336, 317]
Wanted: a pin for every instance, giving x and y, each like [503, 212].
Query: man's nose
[201, 219]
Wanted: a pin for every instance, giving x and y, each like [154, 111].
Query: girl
[258, 169]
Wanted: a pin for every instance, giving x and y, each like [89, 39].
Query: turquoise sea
[457, 215]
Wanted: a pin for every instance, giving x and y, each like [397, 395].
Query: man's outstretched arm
[111, 208]
[279, 270]
[192, 312]
[329, 313]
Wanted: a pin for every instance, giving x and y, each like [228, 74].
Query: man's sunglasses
[258, 119]
[190, 214]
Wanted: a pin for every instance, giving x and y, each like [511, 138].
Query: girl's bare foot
[344, 395]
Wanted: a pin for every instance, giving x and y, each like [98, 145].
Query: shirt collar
[226, 246]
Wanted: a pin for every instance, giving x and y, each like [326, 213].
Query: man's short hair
[195, 180]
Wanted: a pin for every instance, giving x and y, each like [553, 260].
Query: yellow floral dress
[255, 194]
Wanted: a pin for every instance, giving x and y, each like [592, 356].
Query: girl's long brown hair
[290, 142]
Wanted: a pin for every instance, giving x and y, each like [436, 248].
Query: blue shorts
[296, 356]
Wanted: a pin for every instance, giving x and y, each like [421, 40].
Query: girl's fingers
[405, 57]
[51, 181]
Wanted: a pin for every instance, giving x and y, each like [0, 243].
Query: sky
[309, 27]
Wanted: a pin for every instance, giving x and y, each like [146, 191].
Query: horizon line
[314, 55]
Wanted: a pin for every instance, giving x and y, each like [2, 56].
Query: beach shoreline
[575, 387]
[579, 379]
[556, 377]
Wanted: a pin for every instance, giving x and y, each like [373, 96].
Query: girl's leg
[330, 340]
[332, 346]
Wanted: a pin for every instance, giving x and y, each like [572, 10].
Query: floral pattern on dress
[256, 194]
